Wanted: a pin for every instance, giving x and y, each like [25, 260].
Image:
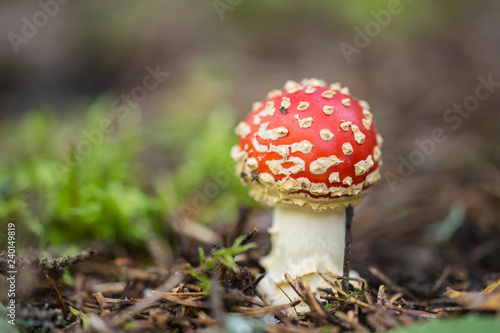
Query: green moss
[68, 179]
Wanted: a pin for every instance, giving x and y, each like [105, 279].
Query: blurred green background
[80, 161]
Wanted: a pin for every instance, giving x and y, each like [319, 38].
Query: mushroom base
[304, 243]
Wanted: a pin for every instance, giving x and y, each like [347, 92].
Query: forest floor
[412, 275]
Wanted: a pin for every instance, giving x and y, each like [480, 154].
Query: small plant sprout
[309, 151]
[223, 256]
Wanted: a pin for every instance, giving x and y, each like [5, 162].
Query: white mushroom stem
[304, 243]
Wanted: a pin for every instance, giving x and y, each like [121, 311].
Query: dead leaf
[491, 287]
[453, 294]
[486, 300]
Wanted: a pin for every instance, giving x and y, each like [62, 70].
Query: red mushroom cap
[310, 145]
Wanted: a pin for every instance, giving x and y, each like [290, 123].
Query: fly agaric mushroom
[308, 151]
